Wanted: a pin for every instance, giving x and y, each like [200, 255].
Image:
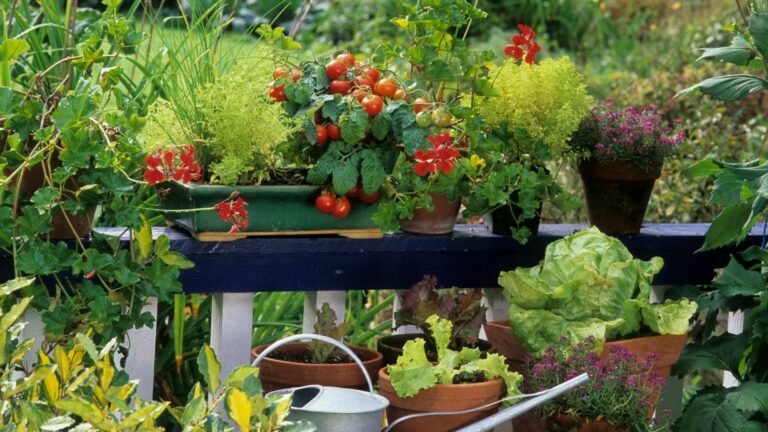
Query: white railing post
[735, 325]
[396, 306]
[140, 363]
[32, 330]
[313, 301]
[232, 329]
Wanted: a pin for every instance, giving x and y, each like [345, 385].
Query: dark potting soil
[306, 357]
[469, 378]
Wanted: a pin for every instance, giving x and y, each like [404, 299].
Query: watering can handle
[321, 338]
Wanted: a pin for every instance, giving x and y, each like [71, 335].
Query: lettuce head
[588, 284]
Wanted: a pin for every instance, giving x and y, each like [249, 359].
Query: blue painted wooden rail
[471, 257]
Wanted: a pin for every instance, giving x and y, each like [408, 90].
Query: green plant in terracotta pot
[299, 364]
[589, 285]
[462, 307]
[459, 380]
[438, 161]
[530, 123]
[623, 151]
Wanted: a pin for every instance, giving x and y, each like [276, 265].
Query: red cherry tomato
[341, 87]
[359, 94]
[364, 81]
[334, 132]
[399, 94]
[346, 58]
[295, 75]
[385, 87]
[420, 105]
[369, 198]
[372, 104]
[335, 69]
[372, 72]
[277, 92]
[355, 191]
[322, 135]
[325, 203]
[342, 208]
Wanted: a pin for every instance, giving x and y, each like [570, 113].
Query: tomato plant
[421, 104]
[277, 92]
[424, 119]
[441, 118]
[347, 59]
[362, 196]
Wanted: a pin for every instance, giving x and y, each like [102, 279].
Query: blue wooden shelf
[471, 257]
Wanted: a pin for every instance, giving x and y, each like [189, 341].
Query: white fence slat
[140, 364]
[232, 329]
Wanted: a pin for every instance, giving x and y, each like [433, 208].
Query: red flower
[164, 163]
[233, 210]
[440, 157]
[523, 40]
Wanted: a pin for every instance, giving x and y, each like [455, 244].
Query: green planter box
[272, 210]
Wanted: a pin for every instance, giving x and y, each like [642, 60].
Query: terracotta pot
[439, 221]
[33, 179]
[666, 347]
[442, 397]
[391, 347]
[565, 422]
[279, 374]
[617, 194]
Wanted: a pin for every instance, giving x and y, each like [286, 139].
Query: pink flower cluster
[628, 134]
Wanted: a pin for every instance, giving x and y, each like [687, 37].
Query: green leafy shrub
[546, 100]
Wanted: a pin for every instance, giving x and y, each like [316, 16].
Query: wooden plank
[372, 233]
[471, 257]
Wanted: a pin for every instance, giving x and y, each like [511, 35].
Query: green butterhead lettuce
[587, 285]
[413, 372]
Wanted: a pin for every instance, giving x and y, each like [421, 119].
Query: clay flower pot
[440, 220]
[279, 374]
[617, 194]
[666, 347]
[442, 397]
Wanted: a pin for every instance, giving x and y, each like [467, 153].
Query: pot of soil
[290, 365]
[391, 347]
[332, 408]
[440, 220]
[66, 225]
[617, 194]
[502, 219]
[442, 397]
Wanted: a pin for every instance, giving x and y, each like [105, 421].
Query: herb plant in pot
[299, 364]
[459, 380]
[619, 396]
[625, 149]
[462, 307]
[588, 284]
[530, 121]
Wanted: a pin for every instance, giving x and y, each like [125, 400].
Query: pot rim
[384, 375]
[377, 357]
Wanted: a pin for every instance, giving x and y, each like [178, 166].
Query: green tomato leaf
[353, 125]
[345, 175]
[381, 125]
[372, 172]
[414, 138]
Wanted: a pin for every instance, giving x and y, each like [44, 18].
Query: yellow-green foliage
[242, 129]
[548, 100]
[245, 126]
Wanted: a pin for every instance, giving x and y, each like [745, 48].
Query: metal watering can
[333, 409]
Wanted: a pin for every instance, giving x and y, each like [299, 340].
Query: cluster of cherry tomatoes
[277, 91]
[364, 83]
[340, 206]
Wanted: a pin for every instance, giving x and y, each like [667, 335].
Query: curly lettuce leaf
[671, 317]
[412, 372]
[494, 366]
[441, 331]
